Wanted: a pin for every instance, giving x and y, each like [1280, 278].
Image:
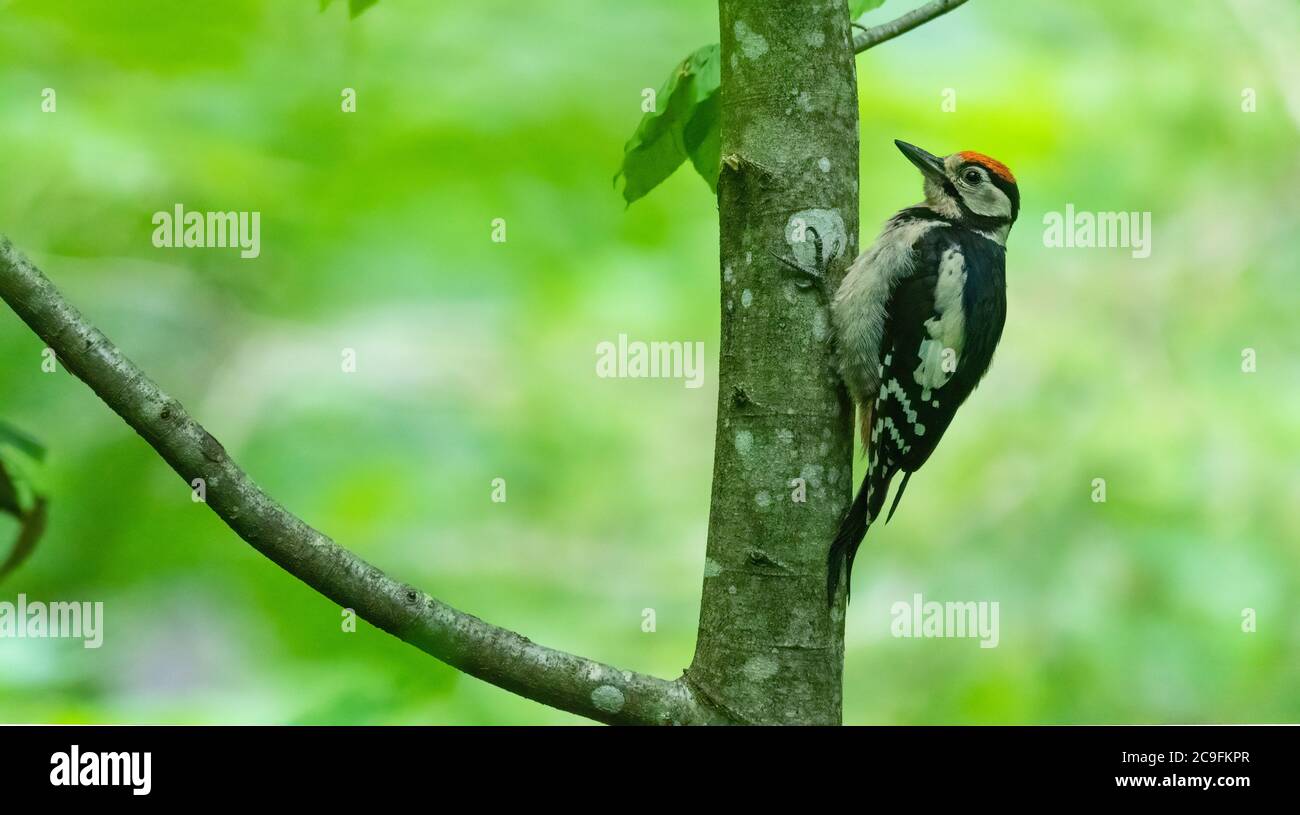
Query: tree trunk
[769, 649]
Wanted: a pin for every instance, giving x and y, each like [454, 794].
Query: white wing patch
[946, 329]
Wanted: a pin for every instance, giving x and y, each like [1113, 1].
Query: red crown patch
[991, 164]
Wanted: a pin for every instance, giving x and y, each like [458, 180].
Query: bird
[916, 319]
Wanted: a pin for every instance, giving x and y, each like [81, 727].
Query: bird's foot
[805, 277]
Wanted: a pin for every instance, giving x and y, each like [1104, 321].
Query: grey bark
[769, 648]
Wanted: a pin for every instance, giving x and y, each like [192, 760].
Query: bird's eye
[972, 177]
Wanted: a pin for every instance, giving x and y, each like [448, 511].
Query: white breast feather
[860, 305]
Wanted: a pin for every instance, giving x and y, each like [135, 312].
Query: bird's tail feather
[898, 496]
[853, 528]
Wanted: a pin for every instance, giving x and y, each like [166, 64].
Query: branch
[866, 38]
[493, 654]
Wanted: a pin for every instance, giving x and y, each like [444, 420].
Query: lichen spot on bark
[744, 442]
[812, 474]
[821, 326]
[808, 226]
[608, 698]
[761, 667]
[752, 44]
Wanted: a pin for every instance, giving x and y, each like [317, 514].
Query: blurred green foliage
[476, 359]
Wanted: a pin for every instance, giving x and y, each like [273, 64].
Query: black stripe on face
[1011, 191]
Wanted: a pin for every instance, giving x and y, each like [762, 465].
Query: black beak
[930, 165]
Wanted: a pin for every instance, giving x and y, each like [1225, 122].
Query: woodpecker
[916, 320]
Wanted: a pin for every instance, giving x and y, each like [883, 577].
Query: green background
[476, 359]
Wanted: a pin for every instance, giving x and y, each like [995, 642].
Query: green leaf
[355, 7]
[859, 7]
[685, 123]
[703, 139]
[21, 492]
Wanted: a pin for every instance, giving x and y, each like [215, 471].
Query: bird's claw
[805, 277]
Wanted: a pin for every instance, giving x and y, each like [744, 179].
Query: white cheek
[990, 201]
